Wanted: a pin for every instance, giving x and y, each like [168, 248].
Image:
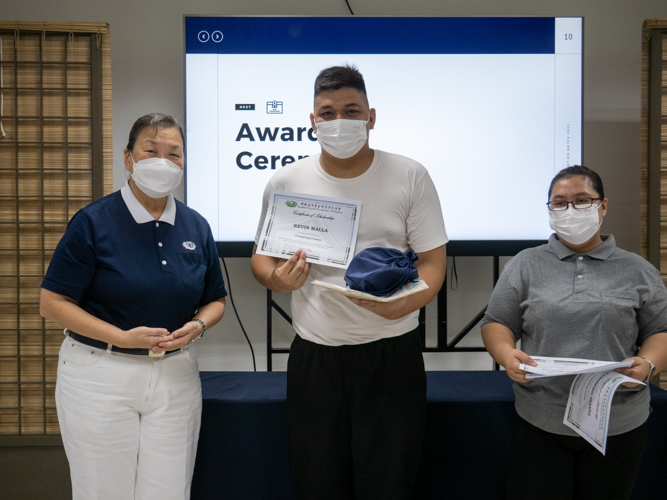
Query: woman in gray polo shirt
[578, 296]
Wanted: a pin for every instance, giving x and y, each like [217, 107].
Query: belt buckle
[155, 354]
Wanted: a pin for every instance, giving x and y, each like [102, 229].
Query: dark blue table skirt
[244, 454]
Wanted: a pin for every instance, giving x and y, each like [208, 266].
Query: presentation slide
[490, 106]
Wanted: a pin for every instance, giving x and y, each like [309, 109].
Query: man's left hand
[431, 266]
[388, 310]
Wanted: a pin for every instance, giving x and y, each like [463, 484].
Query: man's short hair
[337, 77]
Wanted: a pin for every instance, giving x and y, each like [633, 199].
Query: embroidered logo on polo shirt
[189, 245]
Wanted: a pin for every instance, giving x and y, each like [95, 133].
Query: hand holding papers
[589, 404]
[408, 288]
[588, 407]
[325, 228]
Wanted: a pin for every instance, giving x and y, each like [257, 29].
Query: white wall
[147, 55]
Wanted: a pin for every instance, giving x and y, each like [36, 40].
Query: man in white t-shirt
[356, 386]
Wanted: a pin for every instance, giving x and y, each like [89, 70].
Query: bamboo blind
[663, 180]
[48, 159]
[651, 28]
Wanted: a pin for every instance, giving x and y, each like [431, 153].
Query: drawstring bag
[379, 271]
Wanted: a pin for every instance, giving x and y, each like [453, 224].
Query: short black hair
[337, 77]
[582, 171]
[154, 121]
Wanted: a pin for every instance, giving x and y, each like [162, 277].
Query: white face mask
[575, 226]
[156, 177]
[342, 138]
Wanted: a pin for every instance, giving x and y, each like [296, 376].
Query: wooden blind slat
[51, 27]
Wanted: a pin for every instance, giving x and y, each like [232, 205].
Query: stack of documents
[552, 367]
[589, 404]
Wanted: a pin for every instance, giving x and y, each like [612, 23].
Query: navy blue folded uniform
[379, 271]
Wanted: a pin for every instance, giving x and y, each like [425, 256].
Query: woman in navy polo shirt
[135, 280]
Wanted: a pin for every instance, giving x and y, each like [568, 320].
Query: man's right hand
[290, 274]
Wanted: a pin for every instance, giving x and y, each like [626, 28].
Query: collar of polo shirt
[602, 252]
[140, 214]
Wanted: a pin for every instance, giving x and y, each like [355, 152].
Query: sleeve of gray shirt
[504, 305]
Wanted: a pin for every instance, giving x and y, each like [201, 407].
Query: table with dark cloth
[244, 451]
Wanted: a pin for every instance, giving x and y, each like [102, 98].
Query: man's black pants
[357, 415]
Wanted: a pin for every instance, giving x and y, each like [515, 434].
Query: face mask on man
[156, 177]
[342, 138]
[576, 226]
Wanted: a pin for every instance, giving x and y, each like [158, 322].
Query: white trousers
[129, 424]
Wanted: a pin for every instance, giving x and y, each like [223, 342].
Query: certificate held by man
[323, 227]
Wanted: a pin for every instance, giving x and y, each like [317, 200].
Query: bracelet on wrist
[203, 329]
[650, 371]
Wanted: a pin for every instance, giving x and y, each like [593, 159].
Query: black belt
[103, 345]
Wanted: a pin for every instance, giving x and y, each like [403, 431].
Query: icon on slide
[274, 107]
[203, 36]
[216, 36]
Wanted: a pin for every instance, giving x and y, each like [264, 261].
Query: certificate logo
[291, 203]
[274, 108]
